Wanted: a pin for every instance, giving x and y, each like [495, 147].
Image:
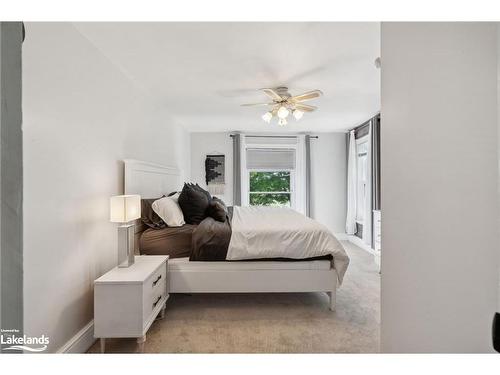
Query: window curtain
[307, 142]
[350, 226]
[237, 169]
[367, 217]
[376, 163]
[301, 169]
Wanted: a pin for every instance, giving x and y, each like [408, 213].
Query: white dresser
[127, 300]
[377, 236]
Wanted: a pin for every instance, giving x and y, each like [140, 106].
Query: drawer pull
[156, 281]
[156, 303]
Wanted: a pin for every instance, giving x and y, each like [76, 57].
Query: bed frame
[153, 180]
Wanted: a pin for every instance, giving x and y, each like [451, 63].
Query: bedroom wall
[328, 172]
[82, 115]
[439, 187]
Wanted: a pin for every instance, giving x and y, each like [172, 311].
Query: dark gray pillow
[221, 202]
[149, 217]
[199, 188]
[217, 210]
[193, 203]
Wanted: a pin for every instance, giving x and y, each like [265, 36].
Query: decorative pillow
[168, 209]
[199, 188]
[149, 217]
[217, 210]
[221, 202]
[193, 203]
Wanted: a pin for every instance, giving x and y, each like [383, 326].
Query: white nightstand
[127, 300]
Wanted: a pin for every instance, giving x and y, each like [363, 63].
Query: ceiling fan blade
[306, 96]
[305, 107]
[272, 94]
[255, 104]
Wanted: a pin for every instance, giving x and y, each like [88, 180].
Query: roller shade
[270, 140]
[268, 158]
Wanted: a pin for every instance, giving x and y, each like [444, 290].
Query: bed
[314, 274]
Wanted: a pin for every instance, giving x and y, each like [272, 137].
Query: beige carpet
[271, 323]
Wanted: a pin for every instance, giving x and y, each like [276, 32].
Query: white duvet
[274, 232]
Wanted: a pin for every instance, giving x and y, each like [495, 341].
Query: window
[273, 172]
[362, 177]
[270, 188]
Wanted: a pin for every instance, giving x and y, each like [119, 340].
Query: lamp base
[126, 255]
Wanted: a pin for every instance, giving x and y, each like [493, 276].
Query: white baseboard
[341, 236]
[80, 342]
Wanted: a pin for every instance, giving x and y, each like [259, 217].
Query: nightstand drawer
[157, 278]
[154, 293]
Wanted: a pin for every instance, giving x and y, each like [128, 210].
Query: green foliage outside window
[275, 185]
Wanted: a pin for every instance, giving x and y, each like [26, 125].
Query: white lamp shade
[124, 208]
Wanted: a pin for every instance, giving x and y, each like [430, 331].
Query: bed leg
[333, 297]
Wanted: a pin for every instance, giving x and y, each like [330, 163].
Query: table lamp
[124, 209]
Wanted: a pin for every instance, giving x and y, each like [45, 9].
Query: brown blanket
[175, 242]
[211, 240]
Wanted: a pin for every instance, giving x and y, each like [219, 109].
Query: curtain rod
[364, 123]
[276, 136]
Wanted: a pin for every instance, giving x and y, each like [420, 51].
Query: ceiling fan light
[282, 122]
[267, 117]
[298, 114]
[283, 112]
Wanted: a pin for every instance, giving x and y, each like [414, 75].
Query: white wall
[82, 115]
[328, 172]
[439, 187]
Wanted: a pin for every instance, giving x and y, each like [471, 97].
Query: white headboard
[150, 180]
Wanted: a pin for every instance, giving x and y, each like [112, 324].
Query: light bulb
[283, 112]
[267, 117]
[282, 122]
[298, 114]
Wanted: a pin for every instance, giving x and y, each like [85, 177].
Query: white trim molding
[81, 342]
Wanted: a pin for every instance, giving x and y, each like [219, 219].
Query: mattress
[184, 264]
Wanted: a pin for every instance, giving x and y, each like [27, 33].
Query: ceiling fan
[283, 103]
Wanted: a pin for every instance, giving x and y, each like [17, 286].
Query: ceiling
[201, 72]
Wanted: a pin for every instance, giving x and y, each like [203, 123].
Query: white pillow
[169, 211]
